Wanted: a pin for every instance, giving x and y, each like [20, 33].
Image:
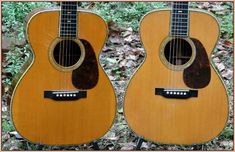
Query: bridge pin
[61, 95]
[67, 95]
[178, 93]
[181, 93]
[167, 92]
[74, 95]
[170, 92]
[71, 95]
[174, 92]
[57, 95]
[184, 93]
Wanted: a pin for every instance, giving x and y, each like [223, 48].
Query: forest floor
[120, 58]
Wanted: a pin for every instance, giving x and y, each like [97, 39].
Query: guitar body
[47, 121]
[173, 120]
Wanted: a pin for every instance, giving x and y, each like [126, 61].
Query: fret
[180, 11]
[185, 20]
[180, 16]
[68, 23]
[68, 15]
[65, 32]
[72, 18]
[179, 30]
[68, 34]
[179, 35]
[179, 27]
[180, 3]
[68, 29]
[179, 24]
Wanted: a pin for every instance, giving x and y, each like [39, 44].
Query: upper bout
[93, 28]
[204, 27]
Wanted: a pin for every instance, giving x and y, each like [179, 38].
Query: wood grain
[174, 121]
[49, 122]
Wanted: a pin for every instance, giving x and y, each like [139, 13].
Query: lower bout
[176, 122]
[63, 124]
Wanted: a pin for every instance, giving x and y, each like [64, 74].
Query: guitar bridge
[62, 95]
[176, 93]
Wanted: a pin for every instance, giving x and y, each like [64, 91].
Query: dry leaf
[228, 74]
[220, 66]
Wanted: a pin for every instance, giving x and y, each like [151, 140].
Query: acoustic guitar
[176, 96]
[64, 97]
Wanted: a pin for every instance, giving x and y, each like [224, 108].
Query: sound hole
[178, 51]
[67, 53]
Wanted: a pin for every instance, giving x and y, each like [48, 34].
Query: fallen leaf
[131, 63]
[123, 63]
[228, 74]
[220, 66]
[128, 32]
[108, 49]
[132, 57]
[144, 145]
[111, 60]
[4, 108]
[128, 146]
[216, 60]
[228, 43]
[128, 39]
[115, 40]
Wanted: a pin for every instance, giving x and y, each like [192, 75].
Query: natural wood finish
[51, 122]
[174, 121]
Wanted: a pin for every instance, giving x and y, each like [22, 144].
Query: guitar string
[177, 37]
[67, 42]
[181, 27]
[70, 40]
[174, 22]
[64, 43]
[60, 47]
[185, 8]
[178, 31]
[171, 36]
[174, 44]
[179, 57]
[69, 15]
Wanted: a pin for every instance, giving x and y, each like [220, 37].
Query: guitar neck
[68, 20]
[179, 19]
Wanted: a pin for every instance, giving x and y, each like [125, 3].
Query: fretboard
[179, 19]
[68, 20]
